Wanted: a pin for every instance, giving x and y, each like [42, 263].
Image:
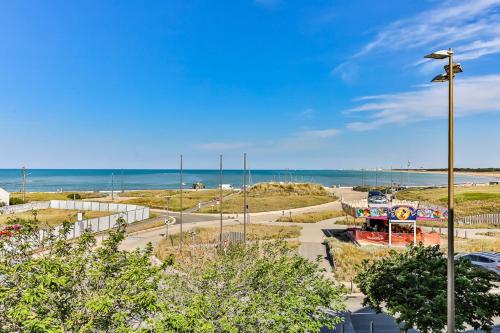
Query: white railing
[481, 219]
[130, 213]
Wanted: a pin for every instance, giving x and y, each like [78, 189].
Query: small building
[4, 197]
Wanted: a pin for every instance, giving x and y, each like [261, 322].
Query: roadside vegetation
[311, 217]
[159, 198]
[50, 216]
[263, 287]
[207, 238]
[16, 198]
[348, 258]
[411, 286]
[469, 200]
[467, 245]
[276, 196]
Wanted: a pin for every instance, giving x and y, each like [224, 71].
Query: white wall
[4, 196]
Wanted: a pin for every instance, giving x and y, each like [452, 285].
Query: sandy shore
[461, 173]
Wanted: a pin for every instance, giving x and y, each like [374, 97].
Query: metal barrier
[130, 213]
[481, 219]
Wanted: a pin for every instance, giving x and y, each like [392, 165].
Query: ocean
[50, 180]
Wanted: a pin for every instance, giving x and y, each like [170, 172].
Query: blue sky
[295, 84]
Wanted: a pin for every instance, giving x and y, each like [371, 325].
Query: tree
[411, 285]
[51, 284]
[258, 288]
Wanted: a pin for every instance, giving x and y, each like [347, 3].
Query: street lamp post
[450, 69]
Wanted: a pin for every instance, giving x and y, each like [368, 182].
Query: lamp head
[438, 55]
[441, 78]
[457, 68]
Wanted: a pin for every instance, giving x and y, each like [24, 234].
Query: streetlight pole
[180, 210]
[451, 203]
[450, 69]
[220, 200]
[245, 197]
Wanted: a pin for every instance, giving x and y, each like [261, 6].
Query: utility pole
[180, 204]
[376, 177]
[112, 186]
[24, 183]
[392, 182]
[121, 181]
[245, 197]
[220, 200]
[408, 173]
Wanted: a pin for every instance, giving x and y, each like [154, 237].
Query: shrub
[16, 201]
[74, 196]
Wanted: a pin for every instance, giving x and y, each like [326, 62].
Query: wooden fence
[481, 219]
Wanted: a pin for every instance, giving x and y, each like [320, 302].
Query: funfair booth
[394, 223]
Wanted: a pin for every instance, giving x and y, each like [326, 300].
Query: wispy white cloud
[308, 114]
[348, 71]
[473, 95]
[472, 25]
[221, 146]
[321, 133]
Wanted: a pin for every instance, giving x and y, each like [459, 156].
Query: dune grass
[210, 236]
[266, 197]
[44, 196]
[51, 216]
[349, 257]
[158, 198]
[311, 217]
[469, 200]
[467, 245]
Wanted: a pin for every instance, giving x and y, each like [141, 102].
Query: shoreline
[494, 174]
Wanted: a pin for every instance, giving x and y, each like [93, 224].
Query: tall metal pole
[245, 197]
[121, 182]
[180, 209]
[24, 183]
[451, 193]
[112, 186]
[220, 200]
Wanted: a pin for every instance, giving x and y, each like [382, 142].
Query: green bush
[74, 196]
[16, 201]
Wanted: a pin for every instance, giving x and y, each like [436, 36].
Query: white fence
[481, 219]
[130, 213]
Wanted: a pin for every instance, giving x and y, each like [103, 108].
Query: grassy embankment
[51, 216]
[210, 236]
[470, 200]
[311, 217]
[349, 257]
[17, 197]
[158, 198]
[273, 196]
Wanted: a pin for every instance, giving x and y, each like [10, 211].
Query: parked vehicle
[377, 197]
[489, 261]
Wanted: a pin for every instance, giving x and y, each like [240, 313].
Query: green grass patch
[274, 197]
[469, 200]
[158, 198]
[210, 236]
[51, 216]
[17, 197]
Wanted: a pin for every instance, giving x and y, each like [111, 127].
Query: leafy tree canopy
[411, 285]
[55, 285]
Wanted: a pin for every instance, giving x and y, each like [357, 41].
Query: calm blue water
[39, 180]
